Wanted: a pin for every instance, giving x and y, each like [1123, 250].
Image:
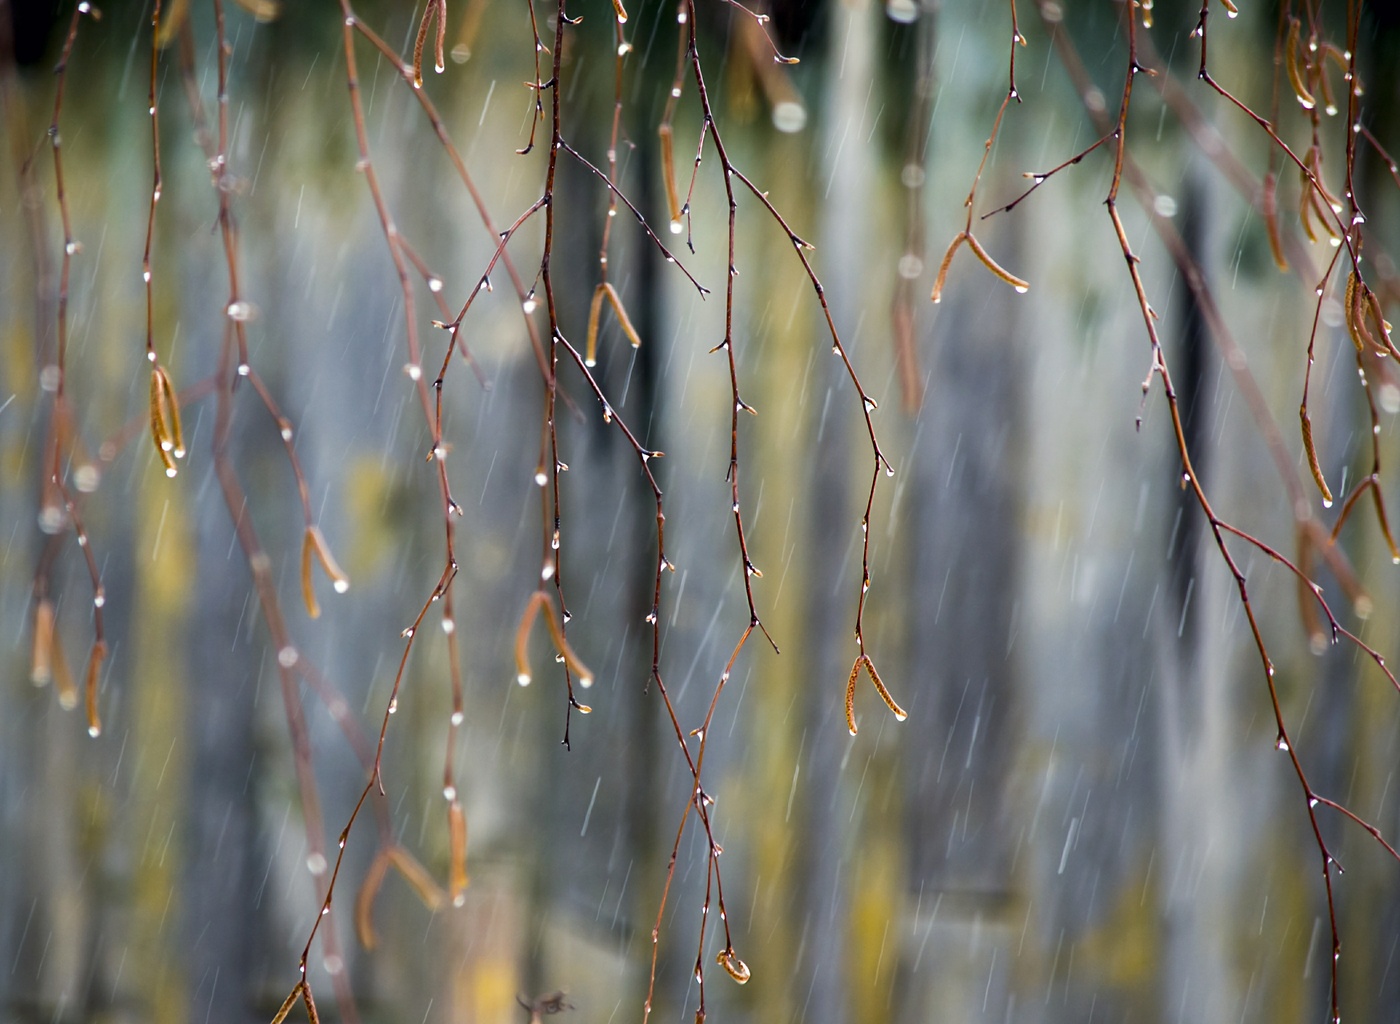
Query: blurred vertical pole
[1197, 719]
[1361, 733]
[220, 700]
[645, 726]
[966, 476]
[821, 992]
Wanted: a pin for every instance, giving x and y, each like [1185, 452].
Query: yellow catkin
[41, 659]
[1311, 451]
[364, 900]
[1291, 62]
[287, 1005]
[1382, 325]
[522, 636]
[995, 267]
[595, 313]
[851, 697]
[339, 581]
[937, 294]
[262, 10]
[1305, 206]
[1271, 220]
[310, 1002]
[899, 713]
[94, 673]
[457, 869]
[733, 966]
[172, 415]
[417, 877]
[173, 16]
[1384, 520]
[63, 685]
[1349, 310]
[308, 588]
[668, 170]
[623, 320]
[160, 423]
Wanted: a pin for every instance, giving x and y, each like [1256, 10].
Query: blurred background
[1084, 817]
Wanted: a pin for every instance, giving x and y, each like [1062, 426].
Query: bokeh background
[1084, 817]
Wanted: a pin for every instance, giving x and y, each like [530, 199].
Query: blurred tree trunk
[824, 861]
[964, 505]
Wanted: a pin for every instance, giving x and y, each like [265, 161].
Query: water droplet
[407, 633]
[789, 117]
[73, 248]
[341, 586]
[1021, 289]
[1281, 744]
[414, 371]
[905, 12]
[529, 305]
[434, 284]
[240, 311]
[540, 478]
[287, 657]
[94, 731]
[458, 718]
[449, 792]
[547, 571]
[523, 679]
[316, 863]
